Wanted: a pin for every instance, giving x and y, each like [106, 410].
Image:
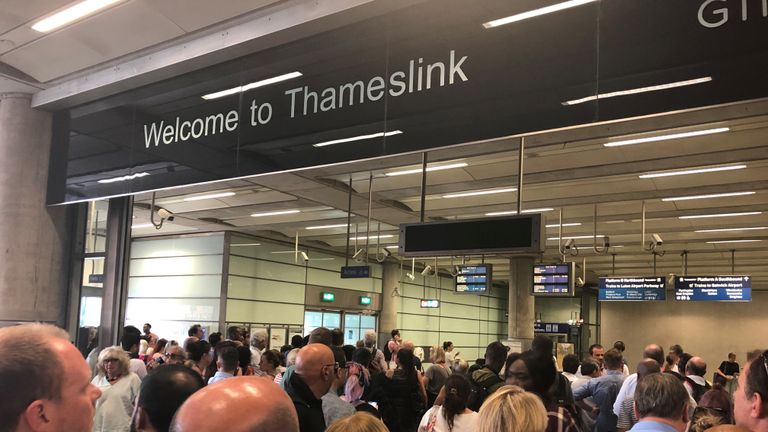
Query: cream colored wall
[707, 329]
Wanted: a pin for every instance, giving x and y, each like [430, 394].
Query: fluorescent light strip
[536, 12]
[276, 213]
[94, 258]
[327, 226]
[514, 212]
[322, 259]
[392, 247]
[691, 171]
[720, 215]
[210, 196]
[574, 237]
[482, 192]
[70, 14]
[565, 225]
[124, 178]
[721, 195]
[731, 229]
[285, 252]
[358, 138]
[734, 241]
[429, 169]
[659, 87]
[244, 244]
[253, 85]
[140, 226]
[667, 137]
[372, 237]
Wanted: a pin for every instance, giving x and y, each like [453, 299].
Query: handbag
[430, 426]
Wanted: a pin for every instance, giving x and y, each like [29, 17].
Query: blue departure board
[554, 280]
[713, 288]
[475, 279]
[632, 288]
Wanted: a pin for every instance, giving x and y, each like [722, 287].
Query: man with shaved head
[314, 373]
[267, 408]
[695, 383]
[652, 351]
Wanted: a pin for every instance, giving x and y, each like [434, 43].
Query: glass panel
[92, 280]
[312, 320]
[90, 312]
[96, 227]
[367, 322]
[352, 332]
[332, 320]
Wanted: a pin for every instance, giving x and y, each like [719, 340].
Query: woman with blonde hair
[119, 387]
[512, 409]
[359, 422]
[436, 375]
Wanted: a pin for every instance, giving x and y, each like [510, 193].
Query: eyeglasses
[765, 361]
[110, 360]
[172, 355]
[335, 366]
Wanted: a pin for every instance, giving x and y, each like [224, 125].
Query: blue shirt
[652, 426]
[218, 376]
[604, 391]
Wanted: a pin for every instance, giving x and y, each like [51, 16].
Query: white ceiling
[569, 169]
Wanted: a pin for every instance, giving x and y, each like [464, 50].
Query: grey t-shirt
[437, 375]
[335, 408]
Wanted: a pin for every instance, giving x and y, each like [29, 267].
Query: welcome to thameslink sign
[304, 101]
[423, 77]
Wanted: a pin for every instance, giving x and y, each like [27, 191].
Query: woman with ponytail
[453, 415]
[400, 394]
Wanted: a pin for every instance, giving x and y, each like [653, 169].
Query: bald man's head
[315, 365]
[655, 352]
[696, 366]
[203, 410]
[646, 367]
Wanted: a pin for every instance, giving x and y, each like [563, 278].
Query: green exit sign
[328, 297]
[365, 300]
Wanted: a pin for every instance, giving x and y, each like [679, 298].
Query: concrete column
[33, 238]
[521, 314]
[390, 304]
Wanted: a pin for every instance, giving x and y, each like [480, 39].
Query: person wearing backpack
[486, 380]
[392, 345]
[604, 391]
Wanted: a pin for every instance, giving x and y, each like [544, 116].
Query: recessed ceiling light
[251, 86]
[734, 241]
[687, 171]
[720, 215]
[565, 225]
[144, 225]
[276, 213]
[666, 137]
[536, 12]
[373, 237]
[429, 169]
[720, 195]
[358, 138]
[70, 14]
[574, 237]
[480, 192]
[514, 212]
[327, 226]
[124, 178]
[658, 87]
[731, 229]
[209, 196]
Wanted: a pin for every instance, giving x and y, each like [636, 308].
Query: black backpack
[387, 354]
[480, 391]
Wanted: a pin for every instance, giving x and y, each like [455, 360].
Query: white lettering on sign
[713, 17]
[305, 101]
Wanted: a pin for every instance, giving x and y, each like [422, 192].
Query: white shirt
[627, 389]
[138, 367]
[461, 423]
[115, 406]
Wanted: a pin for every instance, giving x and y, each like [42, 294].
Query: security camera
[411, 276]
[304, 256]
[579, 281]
[427, 270]
[386, 252]
[657, 239]
[165, 214]
[359, 256]
[569, 243]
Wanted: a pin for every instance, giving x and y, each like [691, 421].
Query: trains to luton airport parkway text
[305, 101]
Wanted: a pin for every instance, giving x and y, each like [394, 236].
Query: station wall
[708, 329]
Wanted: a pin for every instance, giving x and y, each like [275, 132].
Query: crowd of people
[317, 383]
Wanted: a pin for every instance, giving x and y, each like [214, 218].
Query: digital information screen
[713, 288]
[553, 280]
[632, 288]
[473, 278]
